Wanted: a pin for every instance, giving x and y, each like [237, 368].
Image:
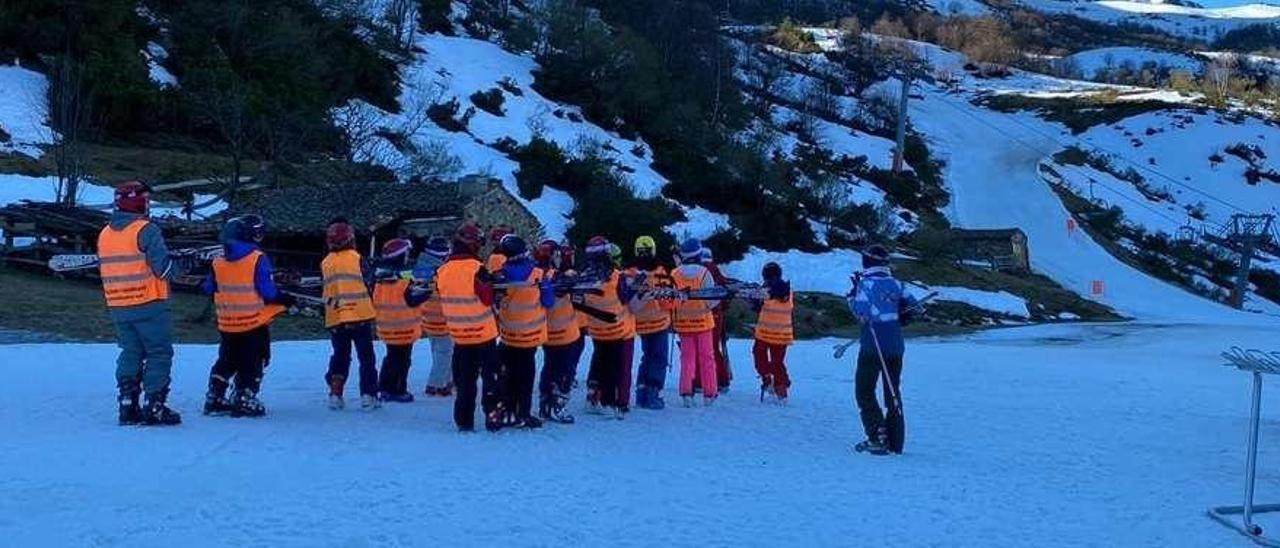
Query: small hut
[1003, 249]
[298, 216]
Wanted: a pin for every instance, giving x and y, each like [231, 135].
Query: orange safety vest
[652, 318]
[692, 316]
[433, 322]
[239, 306]
[773, 325]
[562, 321]
[346, 299]
[398, 323]
[470, 321]
[622, 329]
[521, 318]
[127, 279]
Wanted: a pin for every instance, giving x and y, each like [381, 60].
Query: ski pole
[884, 369]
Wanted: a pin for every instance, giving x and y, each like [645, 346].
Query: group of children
[485, 321]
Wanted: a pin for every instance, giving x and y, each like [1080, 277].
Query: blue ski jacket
[874, 301]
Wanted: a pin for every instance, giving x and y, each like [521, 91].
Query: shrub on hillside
[792, 37]
[489, 101]
[446, 116]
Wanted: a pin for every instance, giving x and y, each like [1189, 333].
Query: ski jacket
[562, 319]
[615, 294]
[467, 300]
[692, 316]
[651, 317]
[774, 318]
[240, 305]
[129, 277]
[522, 313]
[346, 296]
[399, 321]
[875, 301]
[263, 282]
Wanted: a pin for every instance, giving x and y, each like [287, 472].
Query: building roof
[366, 205]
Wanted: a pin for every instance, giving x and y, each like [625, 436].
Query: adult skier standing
[136, 270]
[875, 300]
[247, 301]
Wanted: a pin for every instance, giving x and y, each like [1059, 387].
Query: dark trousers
[472, 362]
[243, 357]
[772, 366]
[626, 358]
[519, 367]
[394, 378]
[343, 337]
[578, 349]
[602, 379]
[865, 378]
[558, 365]
[654, 360]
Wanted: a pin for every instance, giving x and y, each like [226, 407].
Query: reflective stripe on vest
[127, 279]
[773, 324]
[521, 318]
[652, 318]
[470, 321]
[239, 306]
[346, 299]
[608, 302]
[692, 316]
[562, 321]
[397, 324]
[433, 323]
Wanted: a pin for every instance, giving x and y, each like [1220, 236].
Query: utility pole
[901, 147]
[1247, 232]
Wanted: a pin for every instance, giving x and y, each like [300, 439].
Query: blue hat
[691, 249]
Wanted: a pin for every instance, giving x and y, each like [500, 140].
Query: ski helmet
[598, 245]
[232, 230]
[707, 256]
[771, 271]
[497, 233]
[340, 236]
[253, 228]
[875, 255]
[397, 248]
[567, 253]
[691, 250]
[646, 246]
[615, 253]
[132, 197]
[438, 247]
[468, 238]
[544, 252]
[513, 246]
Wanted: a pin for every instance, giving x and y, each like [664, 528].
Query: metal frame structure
[1257, 363]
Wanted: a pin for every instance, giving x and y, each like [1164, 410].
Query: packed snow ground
[1009, 444]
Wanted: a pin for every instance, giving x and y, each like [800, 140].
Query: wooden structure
[35, 231]
[1004, 249]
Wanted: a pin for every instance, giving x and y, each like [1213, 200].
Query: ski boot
[620, 413]
[654, 400]
[708, 401]
[494, 419]
[369, 402]
[431, 391]
[593, 400]
[446, 391]
[130, 411]
[529, 423]
[875, 445]
[403, 397]
[156, 413]
[687, 400]
[336, 385]
[559, 414]
[766, 388]
[642, 397]
[247, 404]
[216, 404]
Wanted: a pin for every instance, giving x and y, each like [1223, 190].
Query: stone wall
[497, 206]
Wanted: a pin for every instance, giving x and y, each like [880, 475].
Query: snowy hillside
[24, 113]
[1203, 24]
[1096, 62]
[1008, 444]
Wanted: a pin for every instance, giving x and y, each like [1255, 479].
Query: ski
[73, 262]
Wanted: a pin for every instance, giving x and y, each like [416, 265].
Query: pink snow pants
[697, 353]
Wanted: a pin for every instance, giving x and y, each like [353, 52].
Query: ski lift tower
[1245, 234]
[1257, 363]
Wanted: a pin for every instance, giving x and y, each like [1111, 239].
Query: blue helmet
[691, 249]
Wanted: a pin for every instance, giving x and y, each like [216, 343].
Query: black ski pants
[472, 363]
[394, 378]
[343, 337]
[242, 356]
[602, 379]
[864, 389]
[519, 367]
[558, 368]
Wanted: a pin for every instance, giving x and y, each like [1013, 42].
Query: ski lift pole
[1256, 362]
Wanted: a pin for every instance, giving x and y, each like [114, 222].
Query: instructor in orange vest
[136, 269]
[466, 295]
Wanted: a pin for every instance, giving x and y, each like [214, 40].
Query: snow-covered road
[992, 160]
[1117, 435]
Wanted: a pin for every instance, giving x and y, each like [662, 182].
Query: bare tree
[72, 103]
[402, 17]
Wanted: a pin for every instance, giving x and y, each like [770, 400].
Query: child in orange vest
[522, 320]
[348, 315]
[247, 300]
[695, 324]
[396, 301]
[774, 333]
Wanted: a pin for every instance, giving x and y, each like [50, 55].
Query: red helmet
[469, 234]
[545, 251]
[497, 232]
[340, 236]
[598, 245]
[567, 252]
[396, 248]
[132, 197]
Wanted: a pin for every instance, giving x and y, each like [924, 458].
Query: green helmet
[646, 246]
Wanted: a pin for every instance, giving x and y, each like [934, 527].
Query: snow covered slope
[24, 111]
[1009, 444]
[1092, 63]
[1204, 24]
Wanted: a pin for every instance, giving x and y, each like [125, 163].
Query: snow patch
[24, 111]
[1001, 302]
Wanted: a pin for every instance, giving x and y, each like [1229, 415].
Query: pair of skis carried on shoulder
[88, 261]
